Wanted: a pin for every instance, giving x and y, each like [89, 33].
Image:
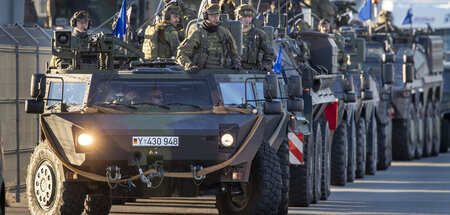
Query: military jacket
[228, 8]
[186, 16]
[160, 40]
[208, 50]
[257, 50]
[342, 56]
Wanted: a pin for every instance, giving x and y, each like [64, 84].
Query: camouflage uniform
[342, 57]
[186, 15]
[384, 25]
[205, 49]
[161, 40]
[228, 7]
[257, 53]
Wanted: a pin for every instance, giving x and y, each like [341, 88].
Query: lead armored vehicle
[151, 129]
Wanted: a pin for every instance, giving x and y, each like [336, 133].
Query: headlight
[227, 140]
[85, 139]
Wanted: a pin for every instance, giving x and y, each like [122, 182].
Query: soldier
[325, 28]
[258, 53]
[161, 40]
[80, 22]
[210, 45]
[228, 7]
[384, 24]
[186, 15]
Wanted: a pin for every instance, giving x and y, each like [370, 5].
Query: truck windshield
[233, 94]
[73, 93]
[158, 93]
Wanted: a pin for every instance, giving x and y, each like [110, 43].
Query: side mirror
[273, 107]
[350, 97]
[295, 88]
[271, 87]
[388, 73]
[408, 73]
[295, 105]
[365, 82]
[34, 106]
[348, 81]
[37, 88]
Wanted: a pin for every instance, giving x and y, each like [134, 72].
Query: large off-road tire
[326, 160]
[420, 129]
[339, 155]
[361, 147]
[372, 146]
[302, 177]
[428, 130]
[97, 204]
[404, 136]
[3, 200]
[283, 156]
[262, 194]
[445, 135]
[384, 133]
[317, 187]
[351, 135]
[47, 190]
[436, 129]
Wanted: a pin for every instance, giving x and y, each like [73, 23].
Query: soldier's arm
[235, 57]
[187, 48]
[171, 36]
[268, 53]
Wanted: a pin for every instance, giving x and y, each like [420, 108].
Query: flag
[277, 66]
[408, 17]
[364, 12]
[120, 28]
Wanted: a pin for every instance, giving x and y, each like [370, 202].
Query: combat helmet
[245, 10]
[170, 10]
[382, 16]
[209, 10]
[78, 16]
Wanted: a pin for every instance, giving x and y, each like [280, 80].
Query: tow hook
[194, 170]
[146, 179]
[113, 170]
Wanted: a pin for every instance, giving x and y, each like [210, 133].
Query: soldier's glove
[194, 69]
[237, 67]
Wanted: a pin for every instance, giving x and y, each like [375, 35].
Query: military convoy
[114, 127]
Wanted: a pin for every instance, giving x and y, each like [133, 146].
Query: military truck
[152, 129]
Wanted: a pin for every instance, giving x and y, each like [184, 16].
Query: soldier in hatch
[384, 24]
[325, 28]
[161, 40]
[186, 15]
[210, 45]
[258, 53]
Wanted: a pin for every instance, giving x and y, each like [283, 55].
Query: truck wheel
[326, 160]
[283, 156]
[302, 177]
[263, 191]
[97, 204]
[361, 147]
[384, 133]
[420, 132]
[445, 135]
[428, 130]
[47, 190]
[351, 135]
[436, 129]
[372, 146]
[404, 136]
[339, 155]
[317, 188]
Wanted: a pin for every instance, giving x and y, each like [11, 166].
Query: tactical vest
[155, 45]
[252, 56]
[214, 50]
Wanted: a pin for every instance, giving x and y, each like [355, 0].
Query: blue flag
[121, 25]
[408, 17]
[277, 66]
[364, 12]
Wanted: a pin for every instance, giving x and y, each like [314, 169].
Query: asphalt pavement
[412, 187]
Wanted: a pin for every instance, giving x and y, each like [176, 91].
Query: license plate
[155, 141]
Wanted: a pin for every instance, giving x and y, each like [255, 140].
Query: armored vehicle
[152, 129]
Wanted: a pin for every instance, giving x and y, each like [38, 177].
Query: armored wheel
[384, 133]
[361, 147]
[372, 146]
[428, 130]
[436, 129]
[339, 155]
[351, 135]
[283, 156]
[404, 136]
[445, 135]
[302, 177]
[420, 129]
[326, 160]
[261, 195]
[47, 190]
[317, 187]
